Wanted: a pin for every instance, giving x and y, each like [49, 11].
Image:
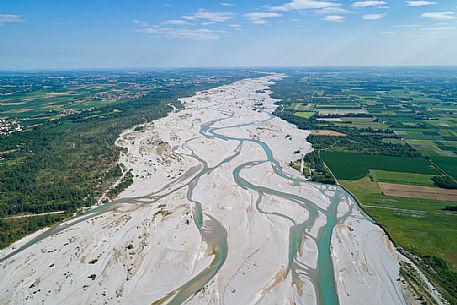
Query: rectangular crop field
[421, 192]
[327, 133]
[304, 114]
[448, 164]
[420, 224]
[351, 166]
[402, 178]
[301, 107]
[341, 111]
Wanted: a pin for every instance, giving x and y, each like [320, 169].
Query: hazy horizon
[146, 69]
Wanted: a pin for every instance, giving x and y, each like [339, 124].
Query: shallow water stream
[323, 276]
[213, 232]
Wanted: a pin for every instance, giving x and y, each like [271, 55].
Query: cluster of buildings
[9, 127]
[67, 112]
[118, 95]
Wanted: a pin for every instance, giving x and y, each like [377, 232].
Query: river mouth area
[214, 216]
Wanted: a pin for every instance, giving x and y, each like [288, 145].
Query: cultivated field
[422, 192]
[353, 166]
[327, 133]
[305, 114]
[327, 112]
[401, 129]
[402, 177]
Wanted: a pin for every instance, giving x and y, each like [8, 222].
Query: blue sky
[62, 34]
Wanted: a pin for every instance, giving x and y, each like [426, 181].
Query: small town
[7, 128]
[118, 95]
[67, 112]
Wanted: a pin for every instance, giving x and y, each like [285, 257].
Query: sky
[90, 34]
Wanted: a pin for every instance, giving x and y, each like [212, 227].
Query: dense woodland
[445, 182]
[66, 164]
[315, 168]
[14, 229]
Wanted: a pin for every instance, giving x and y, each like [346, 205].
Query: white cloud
[209, 17]
[369, 4]
[140, 23]
[373, 16]
[304, 4]
[235, 26]
[9, 18]
[194, 34]
[176, 22]
[334, 18]
[408, 26]
[259, 17]
[439, 15]
[202, 16]
[171, 32]
[419, 3]
[226, 4]
[439, 28]
[333, 10]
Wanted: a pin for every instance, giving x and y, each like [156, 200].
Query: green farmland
[352, 166]
[402, 177]
[419, 226]
[305, 114]
[449, 165]
[404, 133]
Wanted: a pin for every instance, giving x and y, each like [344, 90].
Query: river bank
[214, 216]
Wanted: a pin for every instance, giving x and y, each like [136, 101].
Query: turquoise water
[325, 287]
[327, 293]
[216, 236]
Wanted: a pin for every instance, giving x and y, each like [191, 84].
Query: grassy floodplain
[401, 128]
